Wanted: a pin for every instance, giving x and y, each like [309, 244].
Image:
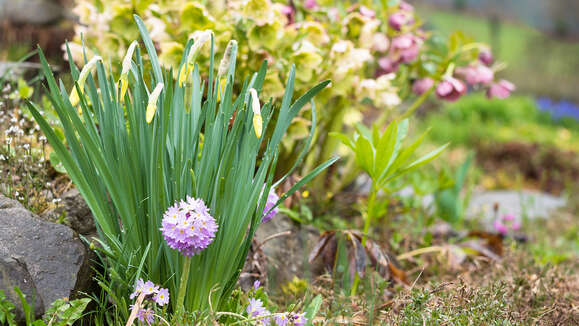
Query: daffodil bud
[152, 105]
[86, 70]
[123, 81]
[200, 40]
[257, 120]
[226, 61]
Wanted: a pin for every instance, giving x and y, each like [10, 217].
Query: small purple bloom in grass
[281, 319]
[162, 297]
[272, 199]
[506, 223]
[146, 315]
[144, 287]
[256, 284]
[255, 308]
[188, 227]
[298, 319]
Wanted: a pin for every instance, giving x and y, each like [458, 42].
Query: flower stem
[183, 284]
[417, 104]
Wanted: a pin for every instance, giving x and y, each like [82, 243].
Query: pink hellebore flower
[399, 19]
[406, 6]
[367, 12]
[486, 57]
[501, 89]
[500, 227]
[310, 4]
[505, 223]
[422, 85]
[406, 47]
[450, 89]
[473, 75]
[388, 65]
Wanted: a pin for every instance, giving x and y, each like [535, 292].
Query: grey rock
[525, 203]
[56, 259]
[13, 273]
[287, 255]
[31, 11]
[76, 211]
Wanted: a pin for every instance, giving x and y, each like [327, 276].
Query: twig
[273, 236]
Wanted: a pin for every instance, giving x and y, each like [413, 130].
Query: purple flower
[188, 227]
[450, 89]
[272, 199]
[399, 19]
[486, 57]
[162, 297]
[479, 74]
[255, 308]
[422, 85]
[298, 319]
[505, 223]
[146, 315]
[367, 12]
[147, 288]
[405, 6]
[256, 284]
[387, 65]
[281, 319]
[406, 47]
[500, 227]
[501, 89]
[310, 4]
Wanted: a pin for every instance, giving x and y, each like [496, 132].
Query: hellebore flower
[188, 227]
[152, 105]
[501, 89]
[367, 12]
[406, 47]
[310, 4]
[387, 65]
[486, 57]
[399, 19]
[86, 70]
[162, 297]
[473, 75]
[450, 89]
[422, 85]
[272, 199]
[405, 6]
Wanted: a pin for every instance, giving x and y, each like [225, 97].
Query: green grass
[537, 63]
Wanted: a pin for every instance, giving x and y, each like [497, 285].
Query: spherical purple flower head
[272, 199]
[162, 297]
[188, 227]
[420, 86]
[450, 89]
[146, 315]
[502, 89]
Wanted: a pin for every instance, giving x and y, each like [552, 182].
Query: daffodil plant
[148, 143]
